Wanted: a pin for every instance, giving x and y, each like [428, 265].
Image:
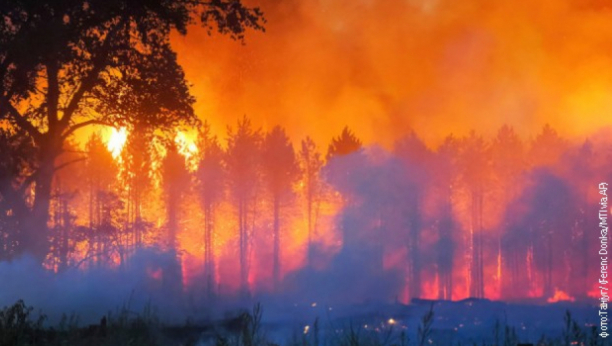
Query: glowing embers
[560, 296]
[116, 141]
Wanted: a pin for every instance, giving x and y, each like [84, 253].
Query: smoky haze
[398, 240]
[384, 68]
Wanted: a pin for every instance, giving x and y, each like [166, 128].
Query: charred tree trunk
[276, 236]
[414, 235]
[445, 255]
[209, 257]
[548, 274]
[476, 265]
[244, 242]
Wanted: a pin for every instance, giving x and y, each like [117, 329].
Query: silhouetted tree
[113, 236]
[475, 171]
[281, 170]
[344, 144]
[581, 171]
[175, 180]
[416, 158]
[63, 235]
[137, 160]
[311, 164]
[540, 225]
[547, 148]
[444, 171]
[243, 173]
[211, 181]
[64, 232]
[16, 166]
[508, 163]
[65, 65]
[344, 154]
[100, 174]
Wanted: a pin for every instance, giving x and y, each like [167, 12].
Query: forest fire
[429, 151]
[339, 224]
[116, 141]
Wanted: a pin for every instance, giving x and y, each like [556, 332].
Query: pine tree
[416, 158]
[100, 174]
[281, 170]
[137, 158]
[444, 180]
[211, 178]
[311, 164]
[507, 164]
[243, 173]
[475, 171]
[18, 161]
[344, 144]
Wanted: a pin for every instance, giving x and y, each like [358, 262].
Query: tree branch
[90, 80]
[7, 107]
[32, 177]
[90, 256]
[78, 126]
[68, 163]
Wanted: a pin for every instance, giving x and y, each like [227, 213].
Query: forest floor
[467, 322]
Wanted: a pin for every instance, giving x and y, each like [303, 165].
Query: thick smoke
[384, 68]
[93, 293]
[386, 251]
[358, 272]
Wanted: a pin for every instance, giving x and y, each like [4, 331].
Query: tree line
[498, 218]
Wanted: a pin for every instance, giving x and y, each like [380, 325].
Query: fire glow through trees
[413, 214]
[354, 151]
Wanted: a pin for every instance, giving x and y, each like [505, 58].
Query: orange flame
[187, 147]
[560, 296]
[116, 141]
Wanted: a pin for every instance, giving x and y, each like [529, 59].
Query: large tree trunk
[36, 228]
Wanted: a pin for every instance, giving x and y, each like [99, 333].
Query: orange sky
[384, 67]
